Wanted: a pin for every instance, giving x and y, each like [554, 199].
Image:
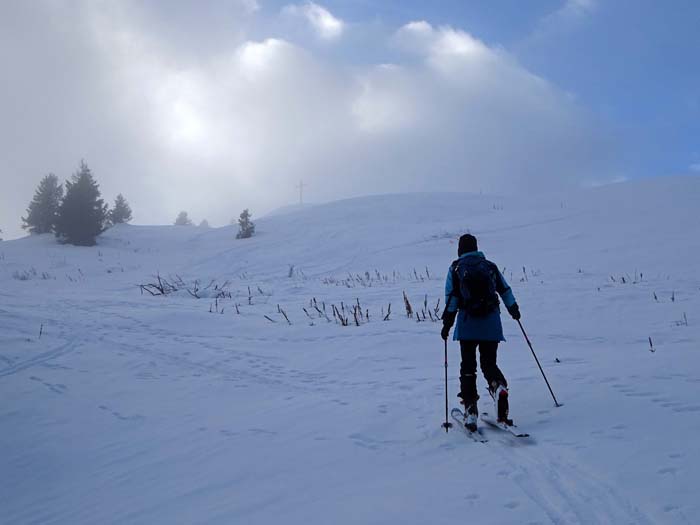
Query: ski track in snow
[564, 491]
[198, 417]
[43, 358]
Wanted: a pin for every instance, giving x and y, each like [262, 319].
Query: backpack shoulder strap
[501, 286]
[456, 293]
[455, 274]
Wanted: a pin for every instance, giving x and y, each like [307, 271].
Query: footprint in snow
[119, 415]
[693, 408]
[262, 431]
[57, 388]
[667, 470]
[642, 394]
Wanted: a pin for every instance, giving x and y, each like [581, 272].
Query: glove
[445, 332]
[448, 319]
[514, 311]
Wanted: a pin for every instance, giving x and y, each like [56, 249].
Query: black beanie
[467, 243]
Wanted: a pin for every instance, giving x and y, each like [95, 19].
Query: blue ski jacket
[469, 328]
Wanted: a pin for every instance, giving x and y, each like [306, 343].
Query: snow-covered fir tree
[183, 219]
[121, 213]
[246, 227]
[43, 209]
[82, 215]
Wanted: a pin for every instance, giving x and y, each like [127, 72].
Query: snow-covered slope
[123, 407]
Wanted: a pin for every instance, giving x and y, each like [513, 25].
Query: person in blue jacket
[471, 298]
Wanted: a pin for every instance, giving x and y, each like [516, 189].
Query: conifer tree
[183, 219]
[43, 210]
[83, 214]
[121, 213]
[246, 227]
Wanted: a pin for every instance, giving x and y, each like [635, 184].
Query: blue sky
[214, 106]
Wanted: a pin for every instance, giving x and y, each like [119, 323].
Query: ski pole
[556, 403]
[446, 425]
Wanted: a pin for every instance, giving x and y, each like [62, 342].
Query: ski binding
[458, 416]
[508, 426]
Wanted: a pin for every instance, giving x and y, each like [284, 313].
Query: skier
[471, 289]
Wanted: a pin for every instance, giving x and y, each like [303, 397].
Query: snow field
[138, 409]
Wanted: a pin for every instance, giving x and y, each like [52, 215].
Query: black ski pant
[467, 372]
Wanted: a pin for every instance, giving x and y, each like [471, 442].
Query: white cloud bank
[239, 125]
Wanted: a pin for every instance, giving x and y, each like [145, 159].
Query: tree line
[246, 227]
[79, 214]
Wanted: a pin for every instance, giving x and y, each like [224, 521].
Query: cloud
[576, 8]
[219, 121]
[570, 15]
[446, 48]
[570, 12]
[327, 26]
[250, 5]
[695, 167]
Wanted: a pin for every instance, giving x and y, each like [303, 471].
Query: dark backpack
[474, 285]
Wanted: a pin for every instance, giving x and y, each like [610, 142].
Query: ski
[511, 429]
[458, 416]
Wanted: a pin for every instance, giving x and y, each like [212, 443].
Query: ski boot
[500, 398]
[471, 415]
